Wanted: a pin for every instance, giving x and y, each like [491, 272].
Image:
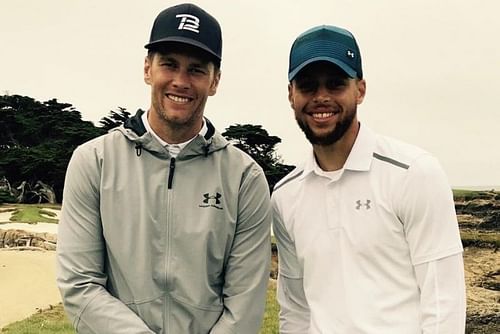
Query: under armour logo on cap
[189, 22]
[350, 54]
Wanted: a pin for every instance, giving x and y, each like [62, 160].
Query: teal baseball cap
[326, 43]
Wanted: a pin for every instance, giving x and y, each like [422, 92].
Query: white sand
[5, 216]
[27, 283]
[27, 278]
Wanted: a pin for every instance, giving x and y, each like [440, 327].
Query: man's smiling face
[181, 82]
[325, 101]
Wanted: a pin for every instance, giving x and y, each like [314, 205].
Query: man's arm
[427, 211]
[81, 250]
[294, 311]
[248, 267]
[442, 295]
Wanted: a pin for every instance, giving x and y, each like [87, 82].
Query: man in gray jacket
[165, 225]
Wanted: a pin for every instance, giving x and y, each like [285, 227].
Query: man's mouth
[178, 99]
[322, 115]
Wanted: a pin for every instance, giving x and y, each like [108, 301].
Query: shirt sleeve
[81, 276]
[442, 295]
[294, 310]
[248, 267]
[427, 212]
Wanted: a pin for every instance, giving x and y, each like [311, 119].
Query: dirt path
[26, 284]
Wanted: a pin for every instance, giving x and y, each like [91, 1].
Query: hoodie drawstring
[138, 149]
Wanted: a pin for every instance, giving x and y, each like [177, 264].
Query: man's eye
[197, 70]
[167, 64]
[335, 84]
[307, 85]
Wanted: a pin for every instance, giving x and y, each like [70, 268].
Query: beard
[179, 123]
[332, 136]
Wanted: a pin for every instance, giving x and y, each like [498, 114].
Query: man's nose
[181, 79]
[322, 95]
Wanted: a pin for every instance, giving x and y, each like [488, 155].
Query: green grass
[54, 321]
[50, 321]
[463, 192]
[32, 213]
[479, 239]
[467, 195]
[270, 324]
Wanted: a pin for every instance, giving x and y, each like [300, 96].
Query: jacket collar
[136, 132]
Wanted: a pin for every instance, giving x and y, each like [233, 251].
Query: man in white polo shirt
[367, 234]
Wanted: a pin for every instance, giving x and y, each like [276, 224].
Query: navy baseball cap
[189, 24]
[327, 43]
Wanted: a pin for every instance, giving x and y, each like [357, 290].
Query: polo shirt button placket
[333, 205]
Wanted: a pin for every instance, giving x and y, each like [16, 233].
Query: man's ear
[215, 83]
[147, 69]
[290, 95]
[361, 87]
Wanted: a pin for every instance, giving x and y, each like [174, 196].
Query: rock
[19, 239]
[480, 213]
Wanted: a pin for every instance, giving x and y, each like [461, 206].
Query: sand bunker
[27, 283]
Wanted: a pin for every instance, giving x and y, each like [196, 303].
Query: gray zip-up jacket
[152, 244]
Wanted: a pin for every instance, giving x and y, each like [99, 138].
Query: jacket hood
[135, 131]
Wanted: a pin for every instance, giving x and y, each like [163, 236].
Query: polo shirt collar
[359, 159]
[361, 154]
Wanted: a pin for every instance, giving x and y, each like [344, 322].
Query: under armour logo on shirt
[366, 204]
[189, 22]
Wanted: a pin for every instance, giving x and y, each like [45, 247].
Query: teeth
[322, 115]
[178, 99]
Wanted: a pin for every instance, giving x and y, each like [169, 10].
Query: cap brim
[346, 68]
[182, 40]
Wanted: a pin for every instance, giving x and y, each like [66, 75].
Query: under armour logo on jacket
[366, 204]
[189, 22]
[208, 198]
[211, 201]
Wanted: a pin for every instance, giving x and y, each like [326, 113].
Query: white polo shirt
[354, 236]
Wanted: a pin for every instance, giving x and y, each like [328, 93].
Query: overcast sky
[432, 67]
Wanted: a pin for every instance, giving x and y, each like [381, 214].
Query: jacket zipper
[171, 173]
[168, 305]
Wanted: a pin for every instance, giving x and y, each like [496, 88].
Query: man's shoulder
[99, 141]
[406, 160]
[398, 153]
[236, 163]
[289, 179]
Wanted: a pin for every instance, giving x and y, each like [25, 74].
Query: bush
[6, 197]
